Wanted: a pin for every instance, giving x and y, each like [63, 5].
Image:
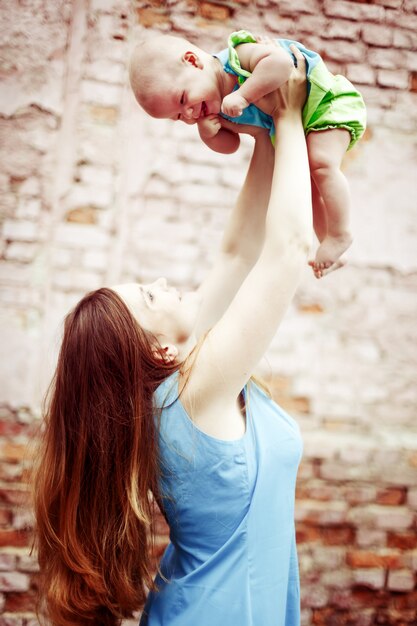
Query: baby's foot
[319, 272]
[329, 253]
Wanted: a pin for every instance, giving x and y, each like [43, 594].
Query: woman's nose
[161, 282]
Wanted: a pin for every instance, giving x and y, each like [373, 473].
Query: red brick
[307, 533]
[16, 538]
[21, 602]
[5, 517]
[337, 535]
[403, 541]
[212, 11]
[151, 17]
[11, 451]
[402, 602]
[391, 496]
[11, 428]
[383, 558]
[14, 496]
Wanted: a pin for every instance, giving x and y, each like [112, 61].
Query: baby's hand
[209, 126]
[233, 104]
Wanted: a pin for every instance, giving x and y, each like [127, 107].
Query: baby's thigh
[326, 148]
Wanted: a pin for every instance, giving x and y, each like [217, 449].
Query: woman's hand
[291, 96]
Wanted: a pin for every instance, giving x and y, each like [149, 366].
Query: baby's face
[192, 92]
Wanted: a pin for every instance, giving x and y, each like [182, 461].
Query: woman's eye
[150, 295]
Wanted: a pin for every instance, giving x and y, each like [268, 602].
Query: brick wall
[93, 192]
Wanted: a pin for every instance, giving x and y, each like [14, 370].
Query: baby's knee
[320, 161]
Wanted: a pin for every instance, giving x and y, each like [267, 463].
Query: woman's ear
[193, 59]
[166, 352]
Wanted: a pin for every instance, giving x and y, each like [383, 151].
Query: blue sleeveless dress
[232, 558]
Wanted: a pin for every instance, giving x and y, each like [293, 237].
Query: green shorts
[334, 102]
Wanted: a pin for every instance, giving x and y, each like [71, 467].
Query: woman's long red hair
[98, 468]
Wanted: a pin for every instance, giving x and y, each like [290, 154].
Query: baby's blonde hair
[153, 62]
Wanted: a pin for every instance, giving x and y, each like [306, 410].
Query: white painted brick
[341, 29]
[7, 562]
[93, 175]
[21, 252]
[28, 208]
[96, 260]
[346, 52]
[338, 578]
[86, 236]
[62, 257]
[386, 59]
[30, 187]
[14, 581]
[77, 280]
[401, 580]
[107, 6]
[361, 73]
[405, 39]
[100, 93]
[105, 71]
[96, 144]
[401, 19]
[353, 11]
[20, 230]
[366, 537]
[295, 7]
[377, 35]
[394, 518]
[95, 195]
[398, 79]
[371, 578]
[12, 273]
[394, 4]
[314, 596]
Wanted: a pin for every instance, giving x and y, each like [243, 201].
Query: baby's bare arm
[215, 137]
[270, 67]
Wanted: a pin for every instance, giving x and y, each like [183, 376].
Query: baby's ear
[193, 59]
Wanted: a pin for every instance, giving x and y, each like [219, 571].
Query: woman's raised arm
[243, 237]
[237, 342]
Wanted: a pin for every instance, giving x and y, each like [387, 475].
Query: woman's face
[161, 310]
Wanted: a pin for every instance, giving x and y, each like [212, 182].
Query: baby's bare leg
[326, 150]
[319, 213]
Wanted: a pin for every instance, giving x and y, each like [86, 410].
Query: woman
[151, 396]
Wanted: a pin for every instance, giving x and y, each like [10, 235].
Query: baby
[174, 79]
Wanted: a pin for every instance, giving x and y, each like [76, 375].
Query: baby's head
[174, 79]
